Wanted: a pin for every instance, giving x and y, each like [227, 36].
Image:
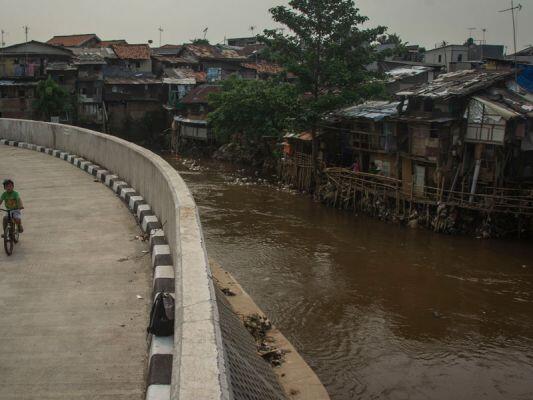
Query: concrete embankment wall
[209, 360]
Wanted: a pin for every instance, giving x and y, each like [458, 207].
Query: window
[84, 91]
[440, 58]
[460, 57]
[137, 64]
[21, 93]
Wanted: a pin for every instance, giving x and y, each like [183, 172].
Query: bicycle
[11, 233]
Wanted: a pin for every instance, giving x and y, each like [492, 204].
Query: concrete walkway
[71, 325]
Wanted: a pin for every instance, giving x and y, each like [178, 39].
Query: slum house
[432, 153]
[16, 98]
[160, 63]
[218, 62]
[191, 123]
[296, 162]
[129, 98]
[132, 58]
[91, 63]
[462, 141]
[452, 57]
[70, 41]
[178, 83]
[30, 59]
[362, 135]
[64, 74]
[22, 66]
[524, 56]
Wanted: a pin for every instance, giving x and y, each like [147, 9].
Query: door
[420, 180]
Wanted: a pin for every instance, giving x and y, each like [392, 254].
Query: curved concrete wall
[199, 362]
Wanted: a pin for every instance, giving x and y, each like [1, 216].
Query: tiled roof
[200, 94]
[109, 43]
[132, 51]
[72, 40]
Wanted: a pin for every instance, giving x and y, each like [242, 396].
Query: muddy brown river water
[378, 311]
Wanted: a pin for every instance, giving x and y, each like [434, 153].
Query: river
[379, 311]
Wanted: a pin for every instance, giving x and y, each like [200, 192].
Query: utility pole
[161, 30]
[26, 30]
[2, 42]
[512, 9]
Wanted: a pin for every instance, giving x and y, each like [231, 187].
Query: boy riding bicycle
[13, 202]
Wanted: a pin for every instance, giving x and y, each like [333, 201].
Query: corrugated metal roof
[190, 121]
[18, 83]
[89, 56]
[132, 81]
[405, 72]
[460, 83]
[374, 110]
[60, 66]
[264, 68]
[175, 59]
[214, 52]
[179, 76]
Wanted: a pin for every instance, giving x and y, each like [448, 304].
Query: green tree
[51, 99]
[253, 109]
[327, 49]
[200, 42]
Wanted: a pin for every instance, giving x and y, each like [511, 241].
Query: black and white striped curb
[161, 348]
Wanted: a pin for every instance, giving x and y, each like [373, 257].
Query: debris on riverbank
[296, 377]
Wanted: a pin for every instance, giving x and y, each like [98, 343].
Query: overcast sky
[424, 22]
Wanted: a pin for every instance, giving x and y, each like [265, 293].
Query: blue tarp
[525, 80]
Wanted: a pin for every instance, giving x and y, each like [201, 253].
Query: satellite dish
[150, 41]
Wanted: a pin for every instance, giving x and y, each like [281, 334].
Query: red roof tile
[200, 94]
[72, 40]
[132, 51]
[109, 43]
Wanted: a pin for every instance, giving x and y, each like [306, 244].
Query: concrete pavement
[71, 325]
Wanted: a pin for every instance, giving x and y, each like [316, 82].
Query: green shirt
[11, 200]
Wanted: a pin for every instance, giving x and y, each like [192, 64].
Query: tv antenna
[512, 10]
[205, 31]
[252, 29]
[161, 30]
[26, 30]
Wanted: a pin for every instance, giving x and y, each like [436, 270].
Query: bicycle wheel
[8, 240]
[15, 233]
